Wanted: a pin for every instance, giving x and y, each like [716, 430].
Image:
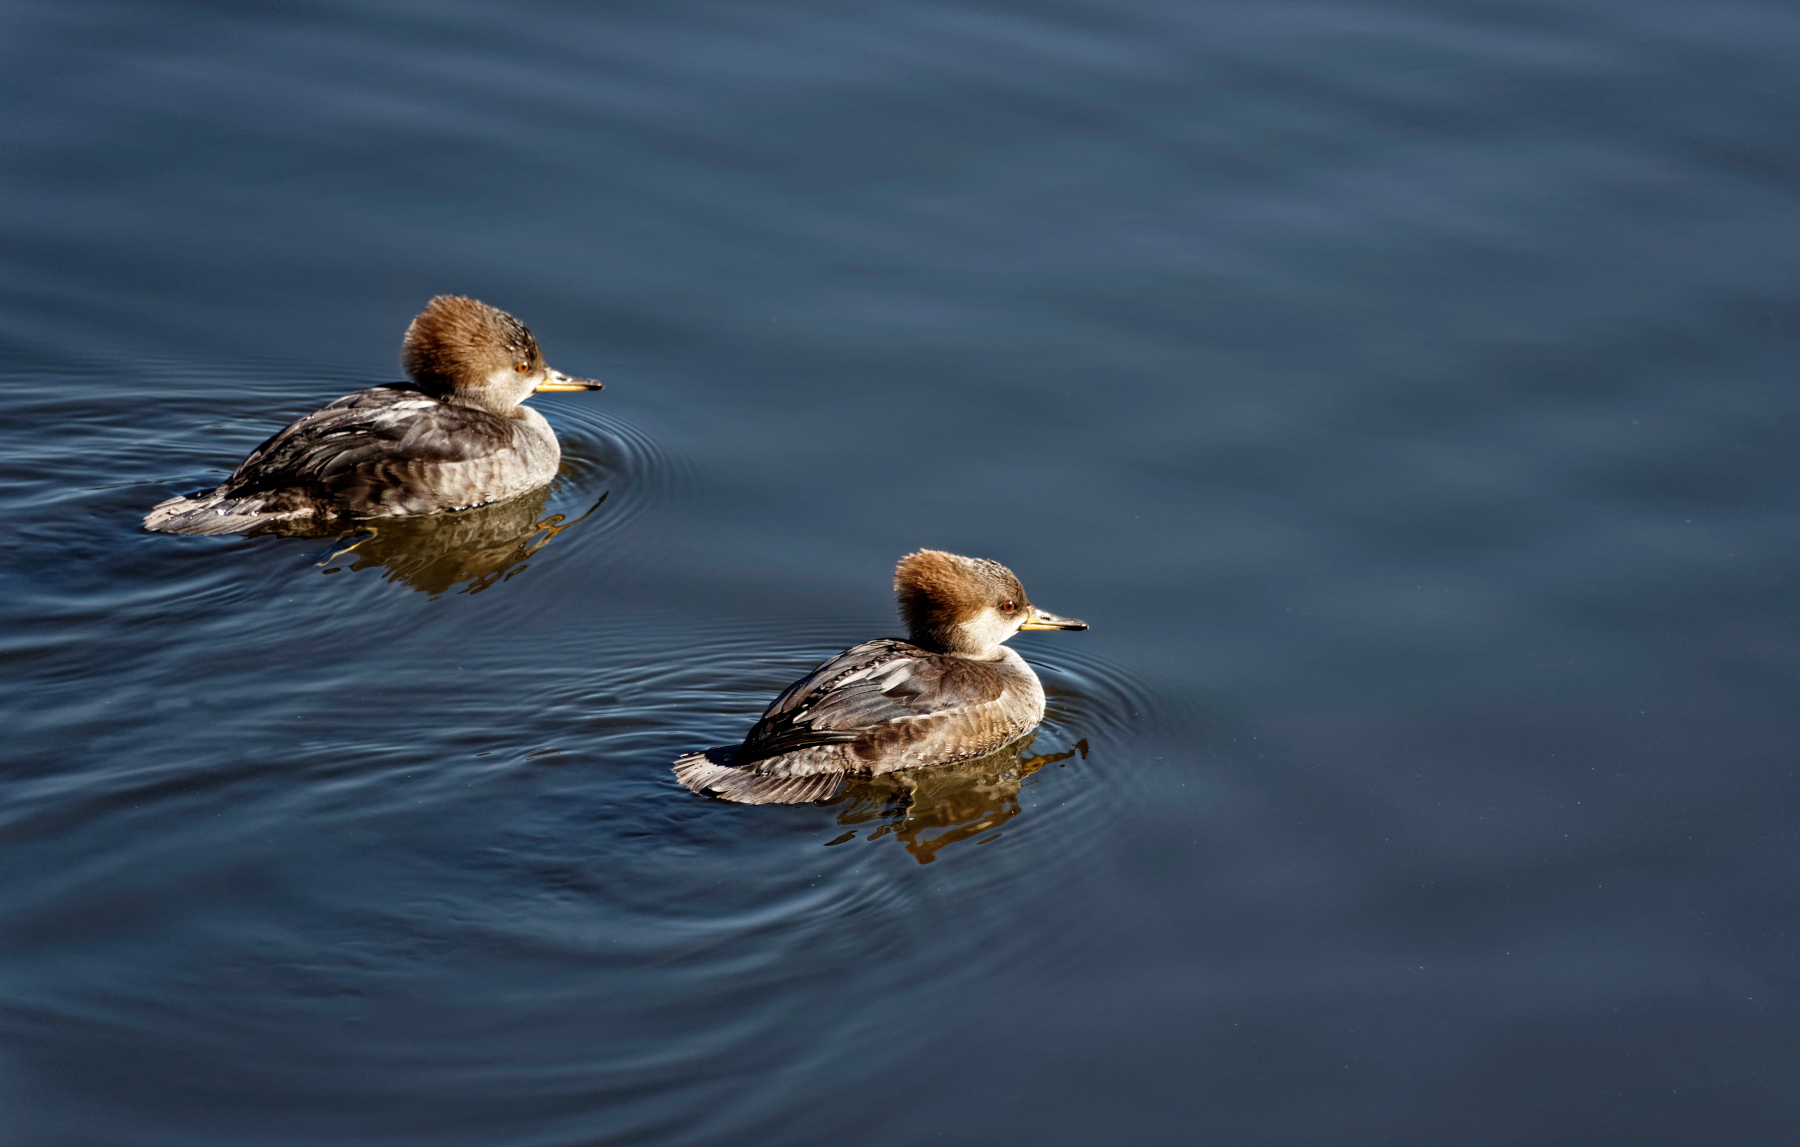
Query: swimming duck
[950, 692]
[454, 437]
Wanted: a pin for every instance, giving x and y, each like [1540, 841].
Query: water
[1404, 392]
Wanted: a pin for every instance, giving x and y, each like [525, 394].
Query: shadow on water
[434, 554]
[964, 800]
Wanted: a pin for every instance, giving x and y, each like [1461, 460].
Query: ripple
[1061, 794]
[1129, 719]
[603, 452]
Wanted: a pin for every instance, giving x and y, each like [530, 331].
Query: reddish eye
[522, 367]
[1007, 607]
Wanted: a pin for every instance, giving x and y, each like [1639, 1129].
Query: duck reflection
[963, 800]
[483, 546]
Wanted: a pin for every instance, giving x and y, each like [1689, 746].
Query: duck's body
[376, 453]
[455, 437]
[951, 693]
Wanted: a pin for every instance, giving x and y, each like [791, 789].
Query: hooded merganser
[455, 437]
[950, 693]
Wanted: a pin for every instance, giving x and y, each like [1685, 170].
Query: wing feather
[861, 689]
[382, 425]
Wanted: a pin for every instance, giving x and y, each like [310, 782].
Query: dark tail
[704, 774]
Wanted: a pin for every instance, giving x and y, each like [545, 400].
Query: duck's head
[953, 604]
[462, 350]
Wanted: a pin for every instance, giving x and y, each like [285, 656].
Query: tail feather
[703, 774]
[212, 512]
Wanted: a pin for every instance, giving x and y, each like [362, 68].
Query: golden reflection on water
[483, 546]
[963, 800]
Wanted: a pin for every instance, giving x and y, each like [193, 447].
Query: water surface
[1403, 392]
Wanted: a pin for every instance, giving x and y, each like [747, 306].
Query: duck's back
[875, 708]
[379, 452]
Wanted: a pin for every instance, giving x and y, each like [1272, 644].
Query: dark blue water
[1406, 393]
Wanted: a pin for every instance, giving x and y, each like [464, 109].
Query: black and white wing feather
[861, 690]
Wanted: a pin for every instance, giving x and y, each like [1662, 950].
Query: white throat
[987, 630]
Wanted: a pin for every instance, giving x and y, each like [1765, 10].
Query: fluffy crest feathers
[457, 344]
[937, 592]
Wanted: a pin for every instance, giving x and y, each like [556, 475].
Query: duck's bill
[1041, 620]
[557, 380]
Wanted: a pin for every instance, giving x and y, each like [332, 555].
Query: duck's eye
[1008, 607]
[522, 367]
